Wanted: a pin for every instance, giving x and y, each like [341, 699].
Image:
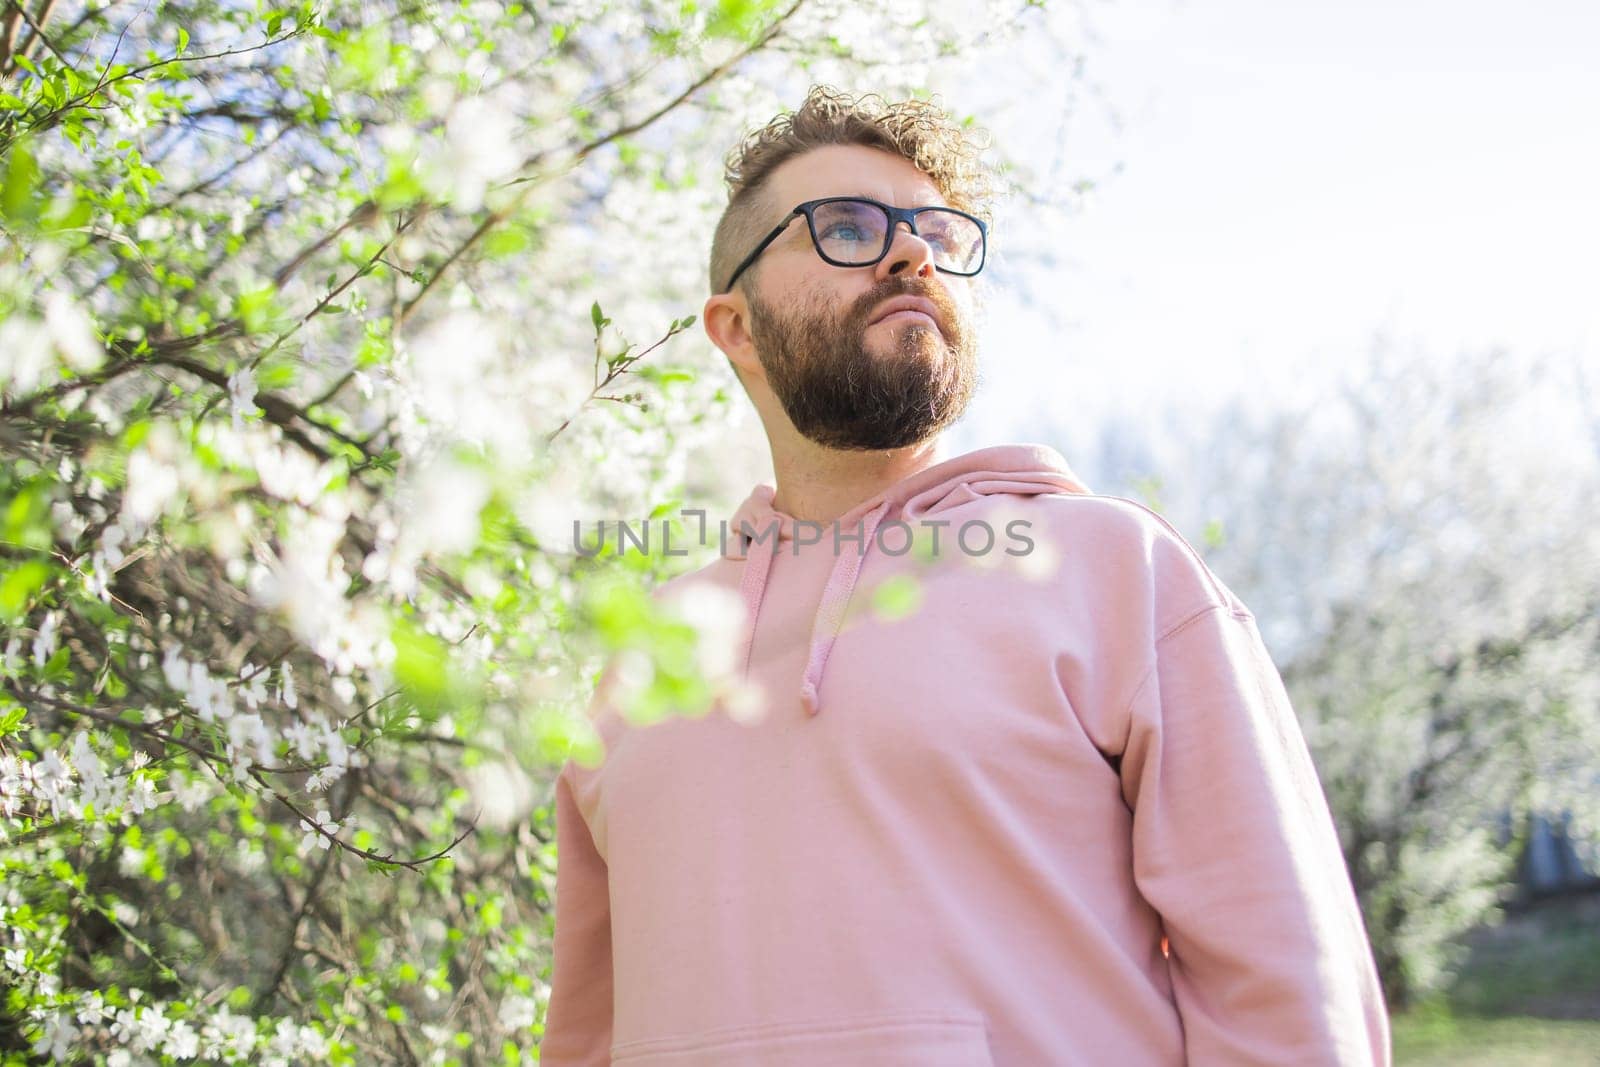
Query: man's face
[844, 380]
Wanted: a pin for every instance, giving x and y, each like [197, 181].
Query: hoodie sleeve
[577, 1029]
[1234, 845]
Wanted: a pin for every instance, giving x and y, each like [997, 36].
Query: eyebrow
[879, 199]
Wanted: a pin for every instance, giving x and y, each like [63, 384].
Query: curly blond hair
[917, 130]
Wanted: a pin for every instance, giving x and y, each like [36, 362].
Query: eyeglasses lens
[852, 232]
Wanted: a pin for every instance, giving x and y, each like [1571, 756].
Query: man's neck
[819, 484]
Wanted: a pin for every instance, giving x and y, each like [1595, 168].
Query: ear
[726, 319]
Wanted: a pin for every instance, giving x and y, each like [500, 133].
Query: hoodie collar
[1016, 470]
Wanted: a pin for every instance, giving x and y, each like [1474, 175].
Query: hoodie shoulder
[1117, 542]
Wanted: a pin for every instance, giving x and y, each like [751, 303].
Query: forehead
[851, 170]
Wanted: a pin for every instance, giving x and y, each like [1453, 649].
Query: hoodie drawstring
[830, 612]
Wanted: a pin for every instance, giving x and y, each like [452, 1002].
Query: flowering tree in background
[1420, 548]
[313, 346]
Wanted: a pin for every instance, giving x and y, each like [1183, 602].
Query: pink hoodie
[958, 838]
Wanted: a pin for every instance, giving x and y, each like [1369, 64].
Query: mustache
[862, 311]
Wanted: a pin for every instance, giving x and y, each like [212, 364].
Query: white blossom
[57, 1039]
[250, 858]
[72, 332]
[152, 485]
[303, 738]
[503, 792]
[24, 353]
[44, 642]
[242, 395]
[141, 797]
[130, 861]
[251, 730]
[312, 837]
[480, 146]
[286, 692]
[91, 1008]
[253, 685]
[51, 779]
[227, 1035]
[111, 544]
[182, 1041]
[16, 783]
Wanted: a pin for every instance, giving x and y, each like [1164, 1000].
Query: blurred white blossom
[242, 395]
[72, 332]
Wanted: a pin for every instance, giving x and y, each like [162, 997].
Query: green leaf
[665, 375]
[18, 202]
[276, 376]
[12, 720]
[25, 520]
[740, 19]
[255, 308]
[18, 586]
[421, 666]
[505, 242]
[363, 58]
[56, 668]
[183, 40]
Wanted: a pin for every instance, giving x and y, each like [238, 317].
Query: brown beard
[841, 392]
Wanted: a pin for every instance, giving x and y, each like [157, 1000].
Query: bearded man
[1057, 814]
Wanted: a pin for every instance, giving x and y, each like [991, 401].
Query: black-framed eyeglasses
[856, 231]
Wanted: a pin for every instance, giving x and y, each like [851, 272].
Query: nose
[907, 253]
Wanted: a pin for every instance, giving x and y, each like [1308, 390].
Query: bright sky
[1295, 178]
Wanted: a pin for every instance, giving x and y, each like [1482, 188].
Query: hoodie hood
[1015, 470]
